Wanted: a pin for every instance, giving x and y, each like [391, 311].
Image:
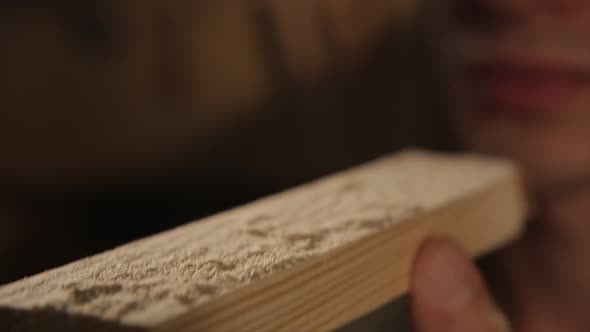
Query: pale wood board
[310, 259]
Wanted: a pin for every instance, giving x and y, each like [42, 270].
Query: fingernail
[444, 276]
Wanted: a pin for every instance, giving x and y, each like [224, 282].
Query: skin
[531, 106]
[540, 284]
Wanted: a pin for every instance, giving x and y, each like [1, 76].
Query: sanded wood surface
[312, 258]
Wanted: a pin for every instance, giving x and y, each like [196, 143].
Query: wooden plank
[312, 258]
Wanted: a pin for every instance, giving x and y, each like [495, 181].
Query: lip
[530, 86]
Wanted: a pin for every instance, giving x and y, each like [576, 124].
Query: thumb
[449, 295]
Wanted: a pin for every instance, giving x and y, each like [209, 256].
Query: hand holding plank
[448, 293]
[310, 259]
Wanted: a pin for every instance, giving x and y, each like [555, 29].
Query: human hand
[449, 294]
[542, 281]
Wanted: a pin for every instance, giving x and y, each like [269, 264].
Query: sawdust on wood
[148, 281]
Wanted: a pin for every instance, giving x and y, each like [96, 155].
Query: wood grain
[312, 258]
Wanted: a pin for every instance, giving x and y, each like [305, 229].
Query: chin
[553, 155]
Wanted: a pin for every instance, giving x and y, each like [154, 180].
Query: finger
[449, 295]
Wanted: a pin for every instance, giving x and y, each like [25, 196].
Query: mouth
[529, 86]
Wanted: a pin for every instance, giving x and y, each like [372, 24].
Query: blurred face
[517, 73]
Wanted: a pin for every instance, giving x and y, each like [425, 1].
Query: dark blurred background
[121, 118]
